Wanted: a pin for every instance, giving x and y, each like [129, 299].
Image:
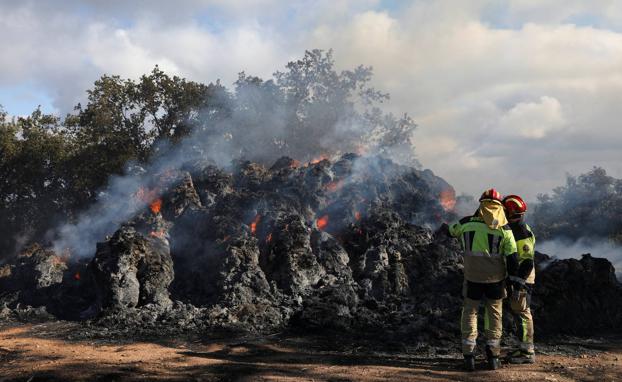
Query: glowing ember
[317, 160]
[322, 222]
[357, 215]
[156, 206]
[77, 276]
[269, 238]
[151, 197]
[447, 199]
[334, 186]
[254, 224]
[59, 260]
[159, 234]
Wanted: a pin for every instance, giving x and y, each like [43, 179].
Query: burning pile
[340, 245]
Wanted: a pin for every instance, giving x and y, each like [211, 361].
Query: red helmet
[490, 194]
[514, 205]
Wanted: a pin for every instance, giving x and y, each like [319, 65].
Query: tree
[52, 168]
[587, 206]
[34, 192]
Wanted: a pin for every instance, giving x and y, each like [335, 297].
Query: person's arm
[508, 248]
[526, 266]
[455, 229]
[511, 261]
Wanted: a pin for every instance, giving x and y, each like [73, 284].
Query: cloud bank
[513, 95]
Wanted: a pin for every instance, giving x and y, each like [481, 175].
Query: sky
[507, 94]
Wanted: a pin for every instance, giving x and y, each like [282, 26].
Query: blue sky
[497, 88]
[22, 99]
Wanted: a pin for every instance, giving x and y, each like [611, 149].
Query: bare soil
[59, 351]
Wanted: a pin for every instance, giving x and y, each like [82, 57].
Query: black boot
[493, 360]
[469, 362]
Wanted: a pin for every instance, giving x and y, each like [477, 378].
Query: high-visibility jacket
[484, 248]
[526, 244]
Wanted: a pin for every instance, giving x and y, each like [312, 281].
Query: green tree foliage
[34, 191]
[123, 121]
[312, 109]
[589, 205]
[52, 168]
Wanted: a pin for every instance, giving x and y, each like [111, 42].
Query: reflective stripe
[468, 240]
[494, 343]
[466, 341]
[495, 244]
[524, 328]
[481, 254]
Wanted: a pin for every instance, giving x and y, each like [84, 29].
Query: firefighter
[489, 255]
[521, 285]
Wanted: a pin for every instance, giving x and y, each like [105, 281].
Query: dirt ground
[51, 352]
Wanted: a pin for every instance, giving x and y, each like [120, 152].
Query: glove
[508, 287]
[516, 285]
[443, 230]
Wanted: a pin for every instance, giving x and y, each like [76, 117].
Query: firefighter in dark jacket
[521, 285]
[489, 255]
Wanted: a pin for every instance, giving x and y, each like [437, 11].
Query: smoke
[564, 249]
[259, 122]
[466, 205]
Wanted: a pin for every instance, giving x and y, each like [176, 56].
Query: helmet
[490, 194]
[514, 205]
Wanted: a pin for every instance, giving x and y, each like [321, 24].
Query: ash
[333, 246]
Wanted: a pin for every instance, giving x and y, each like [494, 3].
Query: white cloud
[516, 101]
[526, 87]
[533, 119]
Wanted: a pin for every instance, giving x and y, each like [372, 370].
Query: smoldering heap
[343, 245]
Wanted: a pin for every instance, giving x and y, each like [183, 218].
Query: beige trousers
[492, 324]
[522, 312]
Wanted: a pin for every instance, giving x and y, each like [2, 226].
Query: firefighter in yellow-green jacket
[489, 255]
[521, 285]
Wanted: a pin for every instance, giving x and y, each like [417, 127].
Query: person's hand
[442, 230]
[516, 285]
[508, 287]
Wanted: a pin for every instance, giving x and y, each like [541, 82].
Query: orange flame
[317, 160]
[322, 222]
[447, 199]
[156, 206]
[357, 215]
[59, 260]
[160, 234]
[151, 197]
[269, 238]
[254, 224]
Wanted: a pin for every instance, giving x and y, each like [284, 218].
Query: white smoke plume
[256, 125]
[597, 248]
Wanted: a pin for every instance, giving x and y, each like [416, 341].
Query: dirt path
[48, 352]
